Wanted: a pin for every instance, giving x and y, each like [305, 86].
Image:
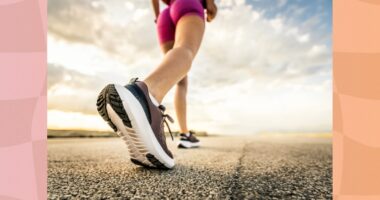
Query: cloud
[281, 3]
[91, 22]
[255, 55]
[71, 91]
[58, 75]
[258, 47]
[75, 21]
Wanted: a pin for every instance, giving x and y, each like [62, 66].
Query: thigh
[189, 33]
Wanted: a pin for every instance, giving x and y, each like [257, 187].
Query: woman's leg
[177, 61]
[180, 104]
[167, 46]
[179, 95]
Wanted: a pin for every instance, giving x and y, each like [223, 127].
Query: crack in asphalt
[234, 192]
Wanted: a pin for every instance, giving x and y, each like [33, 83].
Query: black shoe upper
[154, 114]
[190, 138]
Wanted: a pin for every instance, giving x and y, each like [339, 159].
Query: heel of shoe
[101, 105]
[110, 96]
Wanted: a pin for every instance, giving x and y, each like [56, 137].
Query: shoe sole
[186, 145]
[120, 109]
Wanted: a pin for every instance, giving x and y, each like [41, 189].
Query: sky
[263, 66]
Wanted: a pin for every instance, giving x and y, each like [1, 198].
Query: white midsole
[142, 126]
[135, 147]
[188, 144]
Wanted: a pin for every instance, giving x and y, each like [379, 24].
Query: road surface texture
[223, 168]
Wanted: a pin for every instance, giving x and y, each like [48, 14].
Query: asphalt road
[223, 168]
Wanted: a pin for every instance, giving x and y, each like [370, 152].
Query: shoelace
[166, 116]
[162, 108]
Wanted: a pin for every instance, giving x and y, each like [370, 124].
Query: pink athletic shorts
[168, 18]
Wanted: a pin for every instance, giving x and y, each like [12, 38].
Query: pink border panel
[23, 154]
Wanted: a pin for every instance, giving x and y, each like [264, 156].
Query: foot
[188, 140]
[131, 113]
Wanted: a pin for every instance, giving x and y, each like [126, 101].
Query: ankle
[154, 100]
[153, 91]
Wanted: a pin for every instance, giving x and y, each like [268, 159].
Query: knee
[183, 83]
[183, 55]
[187, 52]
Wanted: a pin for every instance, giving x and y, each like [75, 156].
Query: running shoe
[131, 113]
[188, 141]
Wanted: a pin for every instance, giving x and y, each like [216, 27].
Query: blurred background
[264, 66]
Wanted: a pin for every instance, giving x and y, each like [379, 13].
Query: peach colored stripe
[356, 153]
